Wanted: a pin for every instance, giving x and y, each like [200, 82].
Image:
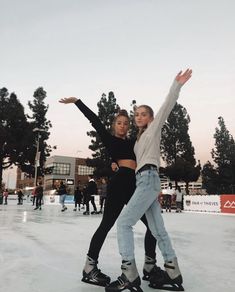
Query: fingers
[64, 100]
[187, 74]
[184, 76]
[179, 74]
[68, 100]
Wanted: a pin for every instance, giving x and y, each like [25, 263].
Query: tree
[39, 121]
[224, 156]
[15, 132]
[133, 129]
[176, 147]
[107, 108]
[210, 178]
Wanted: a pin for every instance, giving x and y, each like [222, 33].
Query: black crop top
[118, 148]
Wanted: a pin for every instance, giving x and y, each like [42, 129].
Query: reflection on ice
[24, 216]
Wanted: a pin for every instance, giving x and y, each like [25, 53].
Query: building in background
[71, 170]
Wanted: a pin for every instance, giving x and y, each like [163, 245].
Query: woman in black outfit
[120, 189]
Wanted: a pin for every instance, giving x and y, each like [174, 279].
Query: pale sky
[131, 47]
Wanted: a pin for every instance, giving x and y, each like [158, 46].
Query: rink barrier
[228, 204]
[210, 203]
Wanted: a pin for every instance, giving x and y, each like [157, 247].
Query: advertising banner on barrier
[227, 203]
[209, 203]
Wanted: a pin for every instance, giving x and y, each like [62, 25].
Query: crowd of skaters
[83, 196]
[170, 198]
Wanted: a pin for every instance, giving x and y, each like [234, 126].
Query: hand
[68, 100]
[183, 77]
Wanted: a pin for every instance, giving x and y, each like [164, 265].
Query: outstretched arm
[91, 116]
[68, 100]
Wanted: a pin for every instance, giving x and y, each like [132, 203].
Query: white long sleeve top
[147, 148]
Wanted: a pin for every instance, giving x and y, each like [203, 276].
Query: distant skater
[62, 192]
[77, 199]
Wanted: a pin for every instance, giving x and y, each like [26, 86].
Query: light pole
[37, 154]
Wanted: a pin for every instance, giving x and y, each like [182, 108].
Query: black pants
[168, 202]
[119, 191]
[102, 200]
[92, 200]
[39, 201]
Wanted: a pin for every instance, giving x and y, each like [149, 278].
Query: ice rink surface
[44, 251]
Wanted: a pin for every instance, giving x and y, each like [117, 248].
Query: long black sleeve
[95, 121]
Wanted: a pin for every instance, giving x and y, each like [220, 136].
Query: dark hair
[151, 114]
[121, 113]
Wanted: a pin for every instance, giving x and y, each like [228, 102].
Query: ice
[44, 251]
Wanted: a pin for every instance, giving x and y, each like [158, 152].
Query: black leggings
[120, 189]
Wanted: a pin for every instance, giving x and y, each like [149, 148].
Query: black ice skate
[129, 279]
[122, 283]
[151, 269]
[94, 212]
[86, 213]
[95, 276]
[156, 272]
[170, 279]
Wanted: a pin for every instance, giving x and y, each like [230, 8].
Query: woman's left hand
[183, 77]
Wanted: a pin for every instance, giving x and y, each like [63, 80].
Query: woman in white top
[143, 201]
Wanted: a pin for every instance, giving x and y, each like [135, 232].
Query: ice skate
[129, 279]
[151, 269]
[86, 213]
[64, 209]
[170, 280]
[93, 275]
[94, 212]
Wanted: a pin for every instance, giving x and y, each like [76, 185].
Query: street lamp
[37, 154]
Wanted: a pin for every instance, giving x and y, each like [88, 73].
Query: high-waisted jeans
[143, 201]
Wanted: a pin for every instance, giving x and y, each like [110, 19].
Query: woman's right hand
[68, 100]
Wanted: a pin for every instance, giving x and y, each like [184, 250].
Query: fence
[210, 203]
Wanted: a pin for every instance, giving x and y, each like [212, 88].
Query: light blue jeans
[62, 199]
[143, 201]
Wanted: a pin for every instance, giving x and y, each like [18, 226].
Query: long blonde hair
[151, 114]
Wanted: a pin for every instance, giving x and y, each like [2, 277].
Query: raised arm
[169, 103]
[91, 116]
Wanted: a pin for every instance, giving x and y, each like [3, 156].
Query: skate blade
[95, 283]
[132, 289]
[173, 287]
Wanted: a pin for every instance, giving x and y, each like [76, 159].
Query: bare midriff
[127, 163]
